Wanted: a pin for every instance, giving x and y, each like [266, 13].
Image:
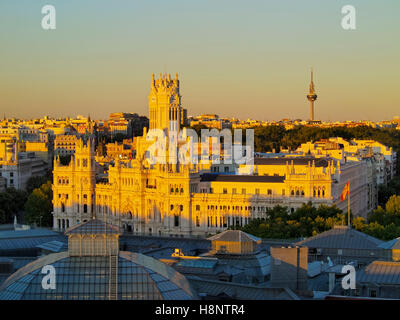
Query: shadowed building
[289, 268]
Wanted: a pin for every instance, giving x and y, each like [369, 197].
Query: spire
[312, 96]
[312, 89]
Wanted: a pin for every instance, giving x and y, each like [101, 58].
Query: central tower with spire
[311, 97]
[165, 103]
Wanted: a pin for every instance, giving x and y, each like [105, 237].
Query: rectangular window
[269, 192]
[176, 220]
[283, 192]
[234, 191]
[225, 191]
[243, 191]
[257, 191]
[197, 207]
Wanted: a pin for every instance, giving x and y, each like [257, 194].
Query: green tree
[11, 203]
[35, 182]
[393, 205]
[39, 206]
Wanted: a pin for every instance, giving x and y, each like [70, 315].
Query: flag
[345, 191]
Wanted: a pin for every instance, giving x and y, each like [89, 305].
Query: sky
[242, 59]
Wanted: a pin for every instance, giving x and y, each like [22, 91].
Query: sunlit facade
[178, 199]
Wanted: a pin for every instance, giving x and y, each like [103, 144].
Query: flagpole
[348, 208]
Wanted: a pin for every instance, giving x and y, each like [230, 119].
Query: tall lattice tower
[311, 97]
[165, 103]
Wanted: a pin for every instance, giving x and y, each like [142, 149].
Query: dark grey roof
[254, 266]
[25, 243]
[216, 288]
[341, 237]
[392, 244]
[319, 162]
[18, 234]
[198, 263]
[93, 226]
[234, 236]
[319, 283]
[240, 178]
[380, 272]
[54, 246]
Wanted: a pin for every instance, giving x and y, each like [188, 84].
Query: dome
[88, 278]
[93, 268]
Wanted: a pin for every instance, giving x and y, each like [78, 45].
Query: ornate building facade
[178, 199]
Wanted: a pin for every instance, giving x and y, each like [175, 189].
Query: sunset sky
[243, 59]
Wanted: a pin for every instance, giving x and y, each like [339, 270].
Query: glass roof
[81, 278]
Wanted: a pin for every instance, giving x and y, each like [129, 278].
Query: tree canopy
[39, 206]
[11, 202]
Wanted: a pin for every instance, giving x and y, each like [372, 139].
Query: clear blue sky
[244, 59]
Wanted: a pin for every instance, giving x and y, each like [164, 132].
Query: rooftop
[392, 244]
[341, 237]
[15, 234]
[214, 288]
[234, 236]
[93, 226]
[319, 162]
[53, 246]
[380, 272]
[241, 178]
[88, 277]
